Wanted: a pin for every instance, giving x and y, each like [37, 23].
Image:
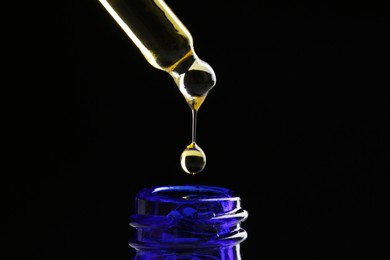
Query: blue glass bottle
[187, 222]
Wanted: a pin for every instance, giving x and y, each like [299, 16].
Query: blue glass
[187, 222]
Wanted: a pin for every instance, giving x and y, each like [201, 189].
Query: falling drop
[193, 159]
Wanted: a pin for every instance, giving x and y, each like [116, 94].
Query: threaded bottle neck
[188, 219]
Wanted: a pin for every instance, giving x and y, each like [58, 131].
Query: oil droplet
[193, 159]
[196, 82]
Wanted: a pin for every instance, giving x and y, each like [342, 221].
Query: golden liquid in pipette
[168, 45]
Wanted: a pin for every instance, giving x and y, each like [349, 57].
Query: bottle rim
[183, 193]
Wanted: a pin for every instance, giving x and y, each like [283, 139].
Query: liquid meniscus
[168, 45]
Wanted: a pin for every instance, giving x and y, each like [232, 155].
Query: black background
[297, 125]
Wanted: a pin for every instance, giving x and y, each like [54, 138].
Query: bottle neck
[196, 221]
